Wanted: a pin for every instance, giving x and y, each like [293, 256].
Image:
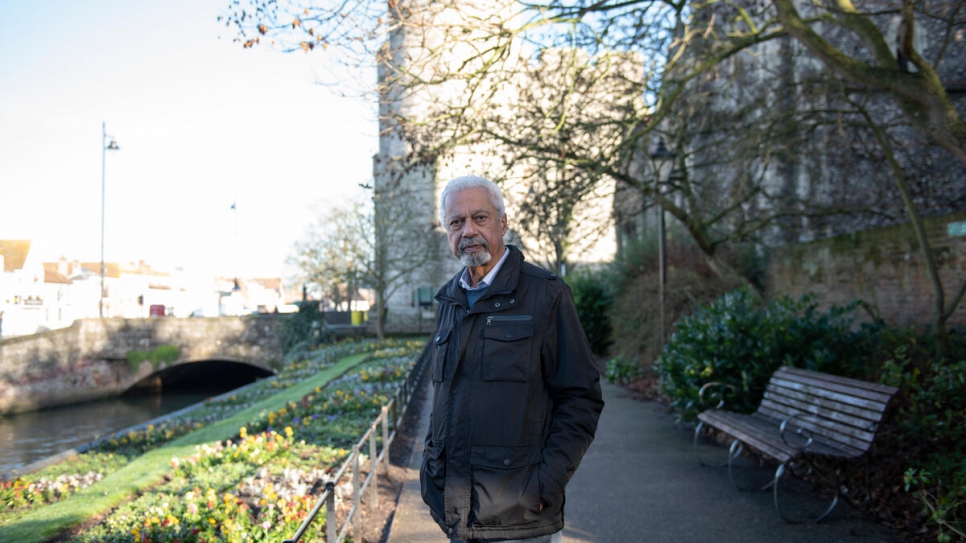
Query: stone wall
[882, 267]
[88, 360]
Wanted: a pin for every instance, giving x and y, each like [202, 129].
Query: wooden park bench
[804, 414]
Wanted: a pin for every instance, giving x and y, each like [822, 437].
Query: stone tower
[408, 182]
[431, 45]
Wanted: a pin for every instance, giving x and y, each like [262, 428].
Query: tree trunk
[941, 316]
[381, 313]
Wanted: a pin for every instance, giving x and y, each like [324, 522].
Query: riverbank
[285, 406]
[11, 468]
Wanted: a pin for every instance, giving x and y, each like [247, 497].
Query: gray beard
[475, 259]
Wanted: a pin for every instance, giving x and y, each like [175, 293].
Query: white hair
[469, 182]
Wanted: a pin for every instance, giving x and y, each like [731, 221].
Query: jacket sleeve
[573, 380]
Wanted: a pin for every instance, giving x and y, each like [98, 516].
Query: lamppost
[663, 165]
[105, 147]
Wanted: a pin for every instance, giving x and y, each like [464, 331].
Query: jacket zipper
[508, 318]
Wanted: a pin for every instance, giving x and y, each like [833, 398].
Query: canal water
[28, 437]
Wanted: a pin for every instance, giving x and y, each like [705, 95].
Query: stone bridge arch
[90, 359]
[219, 374]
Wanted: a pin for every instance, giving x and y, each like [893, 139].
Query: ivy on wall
[165, 354]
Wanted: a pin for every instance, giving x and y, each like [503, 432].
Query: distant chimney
[62, 266]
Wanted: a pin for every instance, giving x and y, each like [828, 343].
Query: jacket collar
[504, 282]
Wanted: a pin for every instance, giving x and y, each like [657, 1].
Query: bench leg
[694, 445]
[775, 486]
[867, 499]
[697, 435]
[734, 452]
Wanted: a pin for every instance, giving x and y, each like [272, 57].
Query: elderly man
[516, 390]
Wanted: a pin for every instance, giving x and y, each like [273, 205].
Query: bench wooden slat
[857, 383]
[761, 433]
[837, 421]
[820, 422]
[726, 422]
[767, 428]
[838, 403]
[841, 394]
[838, 384]
[855, 447]
[841, 414]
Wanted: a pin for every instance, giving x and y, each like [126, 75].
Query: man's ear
[503, 221]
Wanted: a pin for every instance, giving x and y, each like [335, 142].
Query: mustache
[473, 241]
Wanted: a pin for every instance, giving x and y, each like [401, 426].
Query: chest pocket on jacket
[441, 342]
[507, 347]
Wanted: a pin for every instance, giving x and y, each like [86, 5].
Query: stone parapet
[89, 360]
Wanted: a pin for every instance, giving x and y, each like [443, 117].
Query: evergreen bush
[594, 299]
[931, 434]
[623, 370]
[740, 340]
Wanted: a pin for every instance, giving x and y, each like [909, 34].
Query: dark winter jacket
[516, 402]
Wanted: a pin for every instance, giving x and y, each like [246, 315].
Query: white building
[37, 296]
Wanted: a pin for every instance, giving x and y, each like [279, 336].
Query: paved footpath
[640, 482]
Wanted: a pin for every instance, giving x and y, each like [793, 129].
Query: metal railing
[391, 412]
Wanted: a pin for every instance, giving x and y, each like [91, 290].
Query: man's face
[474, 226]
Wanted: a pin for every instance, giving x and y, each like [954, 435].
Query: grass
[148, 470]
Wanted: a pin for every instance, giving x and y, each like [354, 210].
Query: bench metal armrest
[800, 431]
[709, 386]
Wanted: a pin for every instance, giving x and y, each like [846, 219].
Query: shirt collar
[485, 282]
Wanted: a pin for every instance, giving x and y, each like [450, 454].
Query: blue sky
[201, 123]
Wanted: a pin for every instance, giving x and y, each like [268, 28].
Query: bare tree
[679, 40]
[401, 246]
[775, 179]
[334, 254]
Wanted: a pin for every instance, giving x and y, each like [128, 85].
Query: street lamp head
[663, 160]
[113, 146]
[661, 153]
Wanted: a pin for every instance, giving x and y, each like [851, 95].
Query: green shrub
[303, 330]
[594, 299]
[623, 369]
[931, 434]
[740, 341]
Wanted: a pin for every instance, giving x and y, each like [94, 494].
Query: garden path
[639, 482]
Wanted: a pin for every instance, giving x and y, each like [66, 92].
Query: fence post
[356, 494]
[373, 466]
[330, 520]
[385, 436]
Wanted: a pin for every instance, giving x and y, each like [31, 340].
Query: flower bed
[58, 481]
[61, 480]
[260, 485]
